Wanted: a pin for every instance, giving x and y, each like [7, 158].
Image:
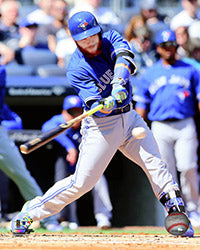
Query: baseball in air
[139, 132]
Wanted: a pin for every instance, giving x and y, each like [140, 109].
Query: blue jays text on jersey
[91, 77]
[170, 91]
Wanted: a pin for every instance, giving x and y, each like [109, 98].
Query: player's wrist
[118, 81]
[119, 93]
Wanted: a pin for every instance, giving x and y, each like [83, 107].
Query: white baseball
[139, 132]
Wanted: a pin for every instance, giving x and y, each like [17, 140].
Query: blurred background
[36, 87]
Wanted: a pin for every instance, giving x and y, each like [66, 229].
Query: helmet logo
[166, 35]
[83, 25]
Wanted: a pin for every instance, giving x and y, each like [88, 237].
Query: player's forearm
[122, 71]
[124, 67]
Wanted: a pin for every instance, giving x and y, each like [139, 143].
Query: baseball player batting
[99, 70]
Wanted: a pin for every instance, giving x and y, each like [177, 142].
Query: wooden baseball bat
[51, 134]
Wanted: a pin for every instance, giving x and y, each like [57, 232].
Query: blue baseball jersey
[11, 120]
[91, 77]
[69, 139]
[168, 91]
[8, 118]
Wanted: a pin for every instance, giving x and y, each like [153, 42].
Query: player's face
[90, 46]
[167, 51]
[71, 114]
[74, 112]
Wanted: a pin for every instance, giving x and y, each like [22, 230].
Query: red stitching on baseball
[175, 214]
[177, 224]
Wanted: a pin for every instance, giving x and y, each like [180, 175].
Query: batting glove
[109, 104]
[119, 92]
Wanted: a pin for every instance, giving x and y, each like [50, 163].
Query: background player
[99, 70]
[66, 160]
[12, 163]
[169, 90]
[10, 121]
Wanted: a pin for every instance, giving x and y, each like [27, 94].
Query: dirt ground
[99, 241]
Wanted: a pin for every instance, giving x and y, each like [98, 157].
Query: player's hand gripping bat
[51, 134]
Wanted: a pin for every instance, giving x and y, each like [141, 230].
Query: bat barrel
[51, 134]
[41, 140]
[23, 149]
[28, 147]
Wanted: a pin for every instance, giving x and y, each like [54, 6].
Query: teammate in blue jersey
[66, 158]
[99, 70]
[11, 120]
[169, 92]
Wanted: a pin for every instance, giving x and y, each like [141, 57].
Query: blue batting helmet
[82, 25]
[72, 101]
[166, 35]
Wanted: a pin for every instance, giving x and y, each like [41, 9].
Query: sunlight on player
[99, 70]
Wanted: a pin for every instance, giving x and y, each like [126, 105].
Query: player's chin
[169, 55]
[93, 50]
